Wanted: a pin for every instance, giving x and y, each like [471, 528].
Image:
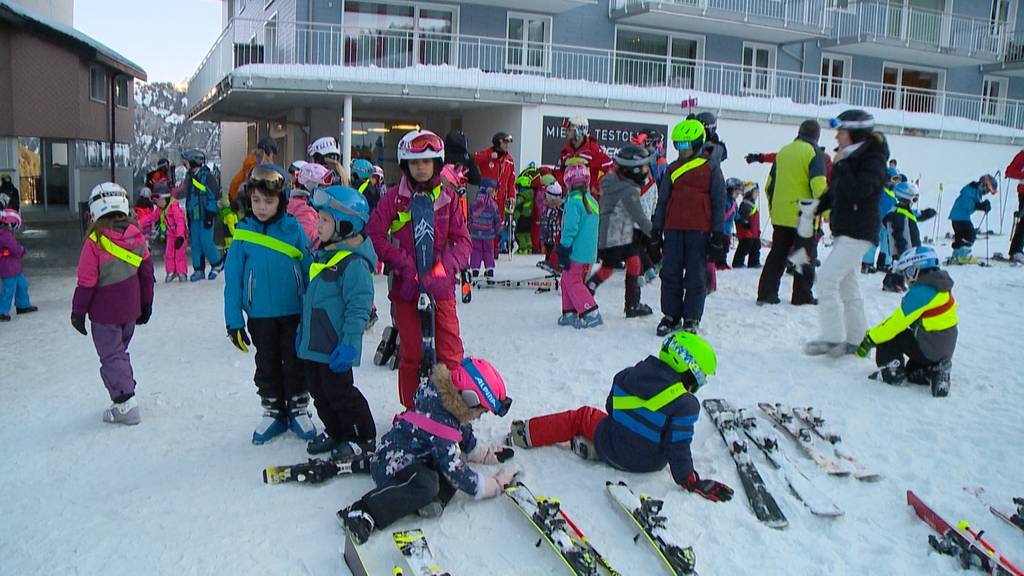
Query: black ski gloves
[79, 323]
[179, 242]
[711, 489]
[147, 311]
[239, 339]
[753, 158]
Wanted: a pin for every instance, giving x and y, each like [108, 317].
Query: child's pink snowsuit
[172, 219]
[305, 214]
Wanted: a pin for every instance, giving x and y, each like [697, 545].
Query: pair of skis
[962, 542]
[574, 549]
[413, 546]
[546, 283]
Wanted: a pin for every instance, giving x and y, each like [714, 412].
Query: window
[844, 5]
[394, 35]
[528, 37]
[97, 84]
[835, 71]
[121, 91]
[911, 89]
[999, 16]
[758, 68]
[650, 59]
[993, 97]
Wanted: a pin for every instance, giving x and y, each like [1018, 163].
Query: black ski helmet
[710, 122]
[631, 160]
[498, 138]
[857, 122]
[194, 157]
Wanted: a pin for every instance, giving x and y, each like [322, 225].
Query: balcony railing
[319, 51]
[782, 13]
[919, 28]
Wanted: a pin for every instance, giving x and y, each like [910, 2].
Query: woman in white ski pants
[840, 304]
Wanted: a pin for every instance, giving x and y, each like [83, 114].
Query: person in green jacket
[798, 173]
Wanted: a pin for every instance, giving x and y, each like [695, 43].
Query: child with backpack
[265, 279]
[115, 291]
[577, 248]
[15, 286]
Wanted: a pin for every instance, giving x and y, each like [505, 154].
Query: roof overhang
[544, 6]
[719, 22]
[1014, 69]
[895, 50]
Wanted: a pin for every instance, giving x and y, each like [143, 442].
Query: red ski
[962, 542]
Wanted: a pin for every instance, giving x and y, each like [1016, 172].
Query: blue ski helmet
[362, 169]
[346, 205]
[913, 261]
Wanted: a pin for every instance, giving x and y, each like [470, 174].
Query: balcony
[913, 35]
[256, 72]
[773, 21]
[542, 6]
[1012, 63]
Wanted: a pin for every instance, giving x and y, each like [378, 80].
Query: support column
[346, 137]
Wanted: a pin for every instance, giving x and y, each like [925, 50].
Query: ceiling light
[405, 126]
[378, 130]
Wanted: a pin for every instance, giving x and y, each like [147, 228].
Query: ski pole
[984, 224]
[938, 211]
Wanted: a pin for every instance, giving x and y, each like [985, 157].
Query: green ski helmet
[687, 352]
[688, 135]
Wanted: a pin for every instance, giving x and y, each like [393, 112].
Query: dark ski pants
[340, 405]
[111, 341]
[784, 240]
[279, 376]
[202, 245]
[964, 234]
[1017, 238]
[903, 345]
[684, 265]
[412, 488]
[749, 249]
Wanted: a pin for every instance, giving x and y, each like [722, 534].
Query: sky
[168, 38]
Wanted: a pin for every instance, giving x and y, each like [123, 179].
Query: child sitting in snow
[577, 248]
[422, 461]
[923, 329]
[15, 286]
[651, 412]
[484, 226]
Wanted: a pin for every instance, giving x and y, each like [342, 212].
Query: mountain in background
[161, 128]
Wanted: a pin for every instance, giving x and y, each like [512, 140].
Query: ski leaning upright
[764, 438]
[645, 512]
[554, 526]
[761, 500]
[783, 418]
[421, 211]
[414, 549]
[813, 419]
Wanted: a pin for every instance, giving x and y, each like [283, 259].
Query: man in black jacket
[857, 179]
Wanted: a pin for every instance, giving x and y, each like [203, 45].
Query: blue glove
[342, 358]
[563, 253]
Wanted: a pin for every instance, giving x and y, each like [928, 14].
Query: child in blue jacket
[577, 249]
[265, 277]
[969, 201]
[334, 315]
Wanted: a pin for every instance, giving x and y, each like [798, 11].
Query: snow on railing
[460, 60]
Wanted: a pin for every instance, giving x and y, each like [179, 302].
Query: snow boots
[299, 418]
[126, 412]
[892, 373]
[197, 276]
[273, 423]
[667, 326]
[935, 376]
[321, 444]
[567, 319]
[519, 435]
[691, 326]
[591, 319]
[635, 308]
[350, 450]
[216, 269]
[584, 448]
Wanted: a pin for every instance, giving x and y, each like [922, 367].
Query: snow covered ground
[182, 493]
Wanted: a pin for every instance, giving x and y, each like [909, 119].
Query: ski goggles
[699, 379]
[319, 158]
[472, 399]
[838, 124]
[321, 199]
[426, 141]
[507, 139]
[266, 178]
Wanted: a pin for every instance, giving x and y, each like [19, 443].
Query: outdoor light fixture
[405, 126]
[378, 130]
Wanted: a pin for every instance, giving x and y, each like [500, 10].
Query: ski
[761, 500]
[783, 418]
[352, 558]
[467, 286]
[645, 512]
[961, 542]
[416, 552]
[540, 284]
[388, 346]
[1017, 519]
[1000, 257]
[421, 210]
[547, 517]
[812, 418]
[314, 471]
[799, 484]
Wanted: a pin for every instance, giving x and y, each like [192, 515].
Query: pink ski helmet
[12, 218]
[576, 174]
[479, 384]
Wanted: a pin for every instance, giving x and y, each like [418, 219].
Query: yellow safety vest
[199, 185]
[269, 242]
[116, 251]
[363, 187]
[907, 213]
[695, 163]
[654, 403]
[404, 216]
[316, 268]
[591, 204]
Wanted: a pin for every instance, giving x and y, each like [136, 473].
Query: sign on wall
[610, 134]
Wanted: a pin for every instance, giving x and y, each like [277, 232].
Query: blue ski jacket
[966, 203]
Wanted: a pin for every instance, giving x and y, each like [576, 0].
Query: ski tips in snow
[645, 512]
[412, 544]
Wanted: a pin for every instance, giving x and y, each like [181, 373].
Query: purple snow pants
[483, 248]
[111, 342]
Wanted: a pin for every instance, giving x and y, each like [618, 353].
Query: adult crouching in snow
[852, 196]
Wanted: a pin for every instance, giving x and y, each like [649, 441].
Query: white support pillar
[346, 136]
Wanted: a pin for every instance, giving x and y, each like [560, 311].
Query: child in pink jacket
[309, 177]
[15, 286]
[170, 219]
[115, 290]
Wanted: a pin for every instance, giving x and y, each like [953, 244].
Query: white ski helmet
[580, 123]
[106, 198]
[420, 144]
[323, 146]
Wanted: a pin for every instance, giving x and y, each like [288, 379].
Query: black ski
[761, 500]
[421, 209]
[314, 471]
[387, 347]
[539, 284]
[645, 512]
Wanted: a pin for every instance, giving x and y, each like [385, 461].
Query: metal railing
[320, 51]
[918, 27]
[783, 13]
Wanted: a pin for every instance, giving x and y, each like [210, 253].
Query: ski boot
[274, 422]
[567, 319]
[216, 269]
[1018, 258]
[691, 326]
[667, 326]
[583, 448]
[168, 278]
[938, 378]
[768, 301]
[393, 361]
[519, 435]
[299, 419]
[821, 347]
[26, 310]
[350, 450]
[432, 509]
[5, 318]
[357, 522]
[591, 319]
[386, 348]
[126, 412]
[892, 373]
[198, 275]
[866, 268]
[638, 311]
[323, 443]
[489, 273]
